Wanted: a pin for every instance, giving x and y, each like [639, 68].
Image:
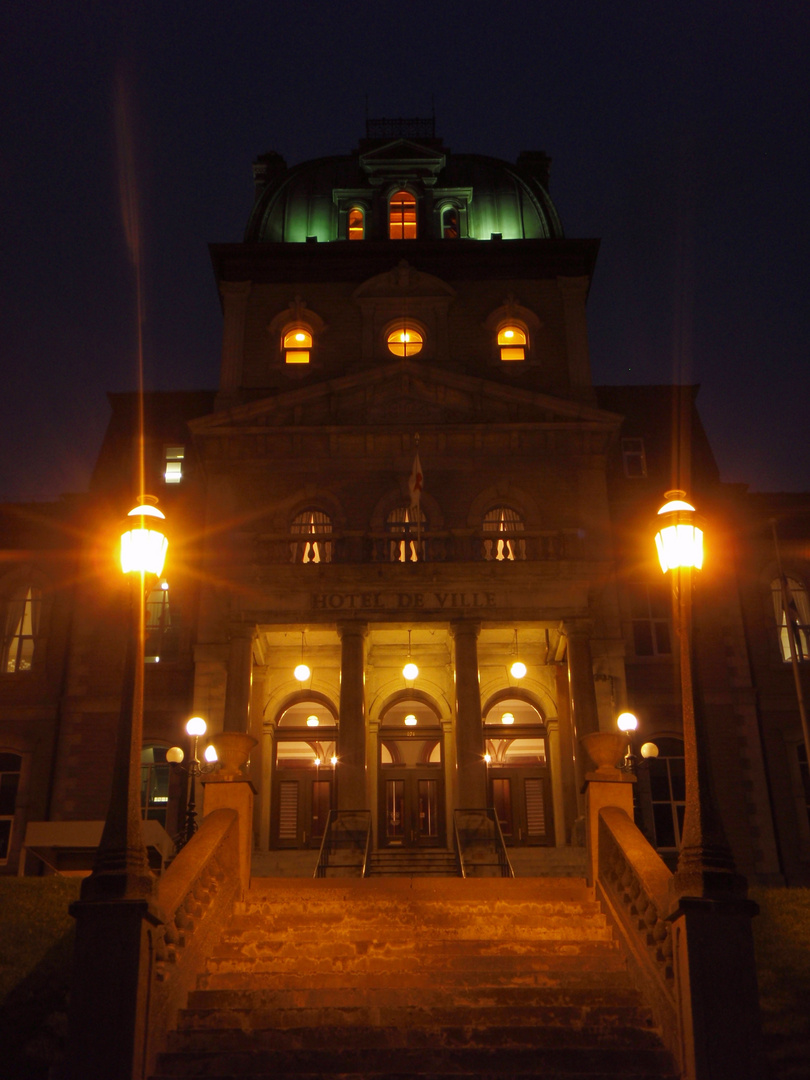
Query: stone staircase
[426, 977]
[413, 862]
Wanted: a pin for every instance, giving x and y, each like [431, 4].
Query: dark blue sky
[678, 132]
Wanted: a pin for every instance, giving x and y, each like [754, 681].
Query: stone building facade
[406, 459]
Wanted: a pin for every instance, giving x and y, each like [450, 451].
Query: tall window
[651, 615]
[154, 784]
[794, 620]
[22, 627]
[10, 767]
[634, 459]
[450, 230]
[297, 345]
[173, 472]
[668, 791]
[405, 526]
[512, 342]
[357, 223]
[402, 216]
[508, 545]
[162, 642]
[312, 537]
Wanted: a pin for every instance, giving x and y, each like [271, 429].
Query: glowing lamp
[626, 722]
[508, 718]
[196, 726]
[410, 671]
[487, 758]
[302, 672]
[679, 539]
[518, 669]
[174, 755]
[333, 760]
[317, 761]
[210, 754]
[410, 720]
[649, 750]
[143, 542]
[312, 721]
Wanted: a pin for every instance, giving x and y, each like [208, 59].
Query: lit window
[404, 341]
[173, 472]
[402, 216]
[312, 530]
[357, 224]
[10, 768]
[795, 621]
[155, 772]
[450, 223]
[297, 345]
[22, 627]
[633, 457]
[405, 526]
[650, 614]
[509, 546]
[512, 342]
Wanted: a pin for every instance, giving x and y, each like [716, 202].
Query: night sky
[678, 133]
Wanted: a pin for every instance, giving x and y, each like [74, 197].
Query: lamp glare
[196, 726]
[210, 754]
[410, 720]
[410, 671]
[626, 722]
[508, 718]
[312, 721]
[518, 669]
[302, 672]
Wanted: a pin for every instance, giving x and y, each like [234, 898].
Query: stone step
[410, 862]
[601, 1060]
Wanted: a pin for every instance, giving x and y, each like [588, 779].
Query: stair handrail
[494, 837]
[330, 840]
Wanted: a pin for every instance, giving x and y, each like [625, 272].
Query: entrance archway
[303, 782]
[411, 775]
[518, 775]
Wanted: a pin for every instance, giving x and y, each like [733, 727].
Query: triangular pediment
[404, 393]
[402, 157]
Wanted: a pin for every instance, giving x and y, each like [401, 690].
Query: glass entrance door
[522, 802]
[411, 809]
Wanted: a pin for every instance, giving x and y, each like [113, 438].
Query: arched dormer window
[357, 223]
[512, 342]
[297, 345]
[21, 630]
[795, 618]
[507, 545]
[450, 225]
[404, 339]
[312, 537]
[405, 526]
[402, 216]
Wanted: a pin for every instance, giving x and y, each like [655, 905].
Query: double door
[302, 800]
[522, 801]
[411, 810]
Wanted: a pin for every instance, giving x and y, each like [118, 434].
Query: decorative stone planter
[233, 749]
[605, 749]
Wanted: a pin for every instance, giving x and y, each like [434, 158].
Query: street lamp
[627, 723]
[121, 867]
[705, 863]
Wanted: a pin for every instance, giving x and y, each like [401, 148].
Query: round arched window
[297, 345]
[512, 342]
[404, 340]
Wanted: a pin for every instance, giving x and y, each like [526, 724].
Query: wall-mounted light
[333, 760]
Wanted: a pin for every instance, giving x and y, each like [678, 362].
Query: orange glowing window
[512, 343]
[297, 345]
[404, 341]
[402, 216]
[357, 223]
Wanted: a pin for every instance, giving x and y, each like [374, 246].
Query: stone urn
[233, 749]
[605, 749]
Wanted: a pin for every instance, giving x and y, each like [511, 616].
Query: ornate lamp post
[705, 863]
[195, 728]
[121, 868]
[627, 723]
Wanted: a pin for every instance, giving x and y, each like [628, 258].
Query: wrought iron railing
[480, 844]
[346, 844]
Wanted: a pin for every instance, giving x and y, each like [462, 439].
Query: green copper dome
[367, 195]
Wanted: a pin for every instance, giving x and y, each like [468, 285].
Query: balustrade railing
[480, 844]
[345, 845]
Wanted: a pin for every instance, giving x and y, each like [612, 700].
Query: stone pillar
[235, 795]
[234, 298]
[568, 755]
[584, 714]
[470, 749]
[240, 679]
[351, 766]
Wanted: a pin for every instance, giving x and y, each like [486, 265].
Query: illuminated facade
[406, 460]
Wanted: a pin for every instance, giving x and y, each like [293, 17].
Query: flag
[415, 483]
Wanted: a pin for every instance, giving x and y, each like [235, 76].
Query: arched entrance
[411, 775]
[518, 775]
[303, 787]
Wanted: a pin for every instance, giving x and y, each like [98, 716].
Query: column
[584, 714]
[472, 770]
[240, 679]
[568, 754]
[351, 767]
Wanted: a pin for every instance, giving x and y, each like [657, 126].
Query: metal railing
[345, 845]
[480, 844]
